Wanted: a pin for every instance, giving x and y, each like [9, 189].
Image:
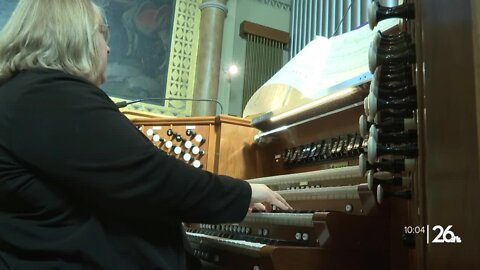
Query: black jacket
[82, 188]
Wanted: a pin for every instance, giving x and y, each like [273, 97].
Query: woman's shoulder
[53, 76]
[53, 89]
[51, 82]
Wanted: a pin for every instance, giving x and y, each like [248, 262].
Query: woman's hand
[262, 194]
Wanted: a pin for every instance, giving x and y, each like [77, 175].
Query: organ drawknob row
[389, 123]
[387, 179]
[375, 104]
[377, 150]
[403, 137]
[398, 52]
[377, 12]
[186, 148]
[382, 193]
[394, 166]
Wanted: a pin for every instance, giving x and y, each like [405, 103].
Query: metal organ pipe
[293, 27]
[311, 18]
[347, 20]
[309, 10]
[315, 15]
[356, 19]
[331, 18]
[303, 18]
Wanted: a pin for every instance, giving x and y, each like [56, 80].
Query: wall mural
[141, 32]
[6, 9]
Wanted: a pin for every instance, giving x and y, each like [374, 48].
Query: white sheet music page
[317, 69]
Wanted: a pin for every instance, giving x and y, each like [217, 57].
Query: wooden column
[449, 116]
[209, 56]
[476, 54]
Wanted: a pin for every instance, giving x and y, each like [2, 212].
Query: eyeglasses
[104, 29]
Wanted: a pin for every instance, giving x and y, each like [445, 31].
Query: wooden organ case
[219, 144]
[386, 177]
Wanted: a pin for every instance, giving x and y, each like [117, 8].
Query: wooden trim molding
[250, 28]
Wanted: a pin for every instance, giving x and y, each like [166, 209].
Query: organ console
[356, 184]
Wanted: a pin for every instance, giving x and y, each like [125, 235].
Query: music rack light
[309, 106]
[338, 101]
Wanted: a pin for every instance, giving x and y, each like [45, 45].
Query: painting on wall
[141, 33]
[6, 8]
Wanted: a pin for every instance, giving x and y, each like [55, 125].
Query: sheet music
[319, 67]
[324, 63]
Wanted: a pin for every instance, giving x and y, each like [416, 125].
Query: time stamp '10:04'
[439, 233]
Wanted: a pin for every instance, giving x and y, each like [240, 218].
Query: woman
[80, 186]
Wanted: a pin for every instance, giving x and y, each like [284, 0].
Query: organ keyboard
[311, 190]
[239, 254]
[356, 199]
[314, 229]
[327, 221]
[309, 240]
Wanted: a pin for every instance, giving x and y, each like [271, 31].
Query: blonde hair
[55, 34]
